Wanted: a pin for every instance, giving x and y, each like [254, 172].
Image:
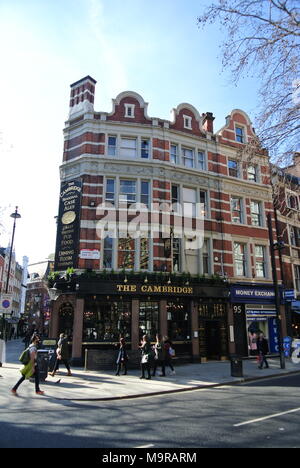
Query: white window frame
[129, 111]
[203, 166]
[184, 158]
[176, 154]
[259, 214]
[123, 148]
[240, 127]
[236, 197]
[263, 261]
[244, 259]
[187, 122]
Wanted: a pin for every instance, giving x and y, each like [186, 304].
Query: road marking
[266, 417]
[145, 446]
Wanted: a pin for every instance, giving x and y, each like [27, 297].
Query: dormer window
[187, 122]
[239, 134]
[129, 110]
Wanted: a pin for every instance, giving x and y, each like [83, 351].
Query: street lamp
[273, 247]
[14, 215]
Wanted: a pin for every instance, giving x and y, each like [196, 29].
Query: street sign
[5, 303]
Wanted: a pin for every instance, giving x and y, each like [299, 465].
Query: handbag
[145, 358]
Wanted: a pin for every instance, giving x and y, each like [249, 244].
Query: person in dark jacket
[62, 354]
[145, 348]
[263, 349]
[159, 358]
[122, 357]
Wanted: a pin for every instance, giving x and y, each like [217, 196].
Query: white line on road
[145, 446]
[266, 417]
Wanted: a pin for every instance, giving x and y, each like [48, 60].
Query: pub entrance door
[213, 339]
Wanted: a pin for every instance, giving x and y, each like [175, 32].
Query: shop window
[149, 319]
[179, 321]
[106, 321]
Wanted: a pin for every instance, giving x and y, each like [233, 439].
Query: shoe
[172, 372]
[117, 373]
[14, 392]
[259, 367]
[162, 375]
[52, 374]
[125, 373]
[142, 377]
[40, 392]
[69, 374]
[148, 378]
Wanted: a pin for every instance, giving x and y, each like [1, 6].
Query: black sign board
[66, 253]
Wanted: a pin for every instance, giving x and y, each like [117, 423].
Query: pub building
[109, 282]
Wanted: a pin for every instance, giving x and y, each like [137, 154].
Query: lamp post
[14, 215]
[273, 247]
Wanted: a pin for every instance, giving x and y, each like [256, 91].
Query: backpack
[25, 357]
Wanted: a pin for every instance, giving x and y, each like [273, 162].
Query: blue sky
[154, 48]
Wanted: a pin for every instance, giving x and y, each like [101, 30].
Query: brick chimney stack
[82, 96]
[208, 122]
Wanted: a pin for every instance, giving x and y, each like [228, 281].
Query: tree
[263, 40]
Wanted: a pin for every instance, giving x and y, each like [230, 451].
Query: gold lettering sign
[154, 289]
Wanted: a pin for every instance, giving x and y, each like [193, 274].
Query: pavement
[105, 385]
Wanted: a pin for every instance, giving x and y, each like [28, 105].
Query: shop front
[192, 316]
[254, 312]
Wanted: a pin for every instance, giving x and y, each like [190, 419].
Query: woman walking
[159, 358]
[31, 368]
[168, 346]
[62, 354]
[263, 349]
[146, 356]
[122, 358]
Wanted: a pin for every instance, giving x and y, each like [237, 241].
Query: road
[259, 414]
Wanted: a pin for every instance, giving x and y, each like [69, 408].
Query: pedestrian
[146, 357]
[30, 369]
[169, 351]
[159, 358]
[263, 349]
[122, 357]
[62, 355]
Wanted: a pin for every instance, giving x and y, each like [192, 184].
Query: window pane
[174, 158]
[128, 148]
[149, 319]
[112, 141]
[126, 253]
[110, 190]
[233, 168]
[201, 160]
[145, 149]
[179, 321]
[127, 191]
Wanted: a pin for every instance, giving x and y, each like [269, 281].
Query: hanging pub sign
[66, 252]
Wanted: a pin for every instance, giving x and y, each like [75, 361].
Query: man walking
[263, 349]
[62, 354]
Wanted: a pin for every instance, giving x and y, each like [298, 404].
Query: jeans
[66, 363]
[262, 360]
[36, 380]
